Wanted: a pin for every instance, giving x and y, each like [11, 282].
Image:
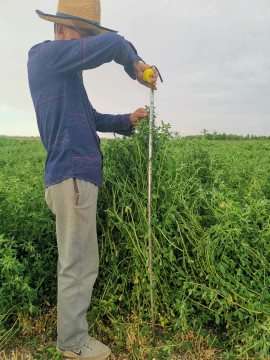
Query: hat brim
[73, 21]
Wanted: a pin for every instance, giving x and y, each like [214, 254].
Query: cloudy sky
[213, 55]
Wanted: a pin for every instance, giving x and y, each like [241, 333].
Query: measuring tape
[147, 76]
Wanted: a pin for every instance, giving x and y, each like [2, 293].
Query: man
[67, 123]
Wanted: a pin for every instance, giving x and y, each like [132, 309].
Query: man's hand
[138, 114]
[139, 70]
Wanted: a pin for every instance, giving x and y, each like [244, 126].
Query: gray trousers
[74, 202]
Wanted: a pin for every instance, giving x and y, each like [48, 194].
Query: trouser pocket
[48, 198]
[77, 190]
[86, 192]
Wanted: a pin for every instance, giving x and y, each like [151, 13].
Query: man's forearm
[119, 124]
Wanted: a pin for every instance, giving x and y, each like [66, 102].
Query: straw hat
[79, 14]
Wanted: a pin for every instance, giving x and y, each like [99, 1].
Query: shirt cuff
[130, 67]
[133, 56]
[127, 126]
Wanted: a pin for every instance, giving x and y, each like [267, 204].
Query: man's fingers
[151, 86]
[142, 113]
[141, 110]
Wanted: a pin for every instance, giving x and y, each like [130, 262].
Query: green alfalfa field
[211, 249]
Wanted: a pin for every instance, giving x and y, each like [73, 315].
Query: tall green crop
[210, 223]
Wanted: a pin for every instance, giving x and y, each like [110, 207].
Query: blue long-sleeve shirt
[66, 119]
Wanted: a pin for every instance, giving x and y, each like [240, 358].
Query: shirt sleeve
[67, 56]
[119, 124]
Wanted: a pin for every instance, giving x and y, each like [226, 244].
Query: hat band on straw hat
[66, 16]
[62, 16]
